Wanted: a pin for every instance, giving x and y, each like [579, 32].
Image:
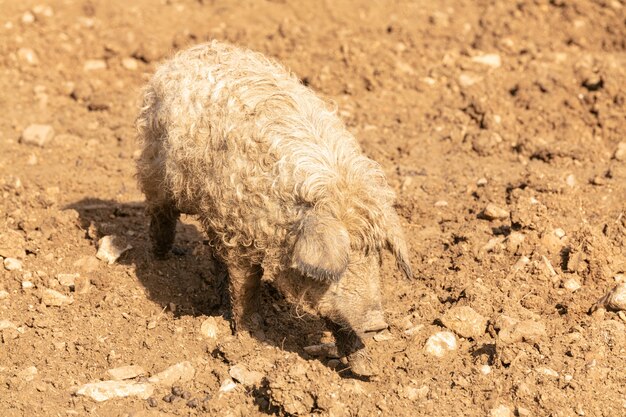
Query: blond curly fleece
[237, 139]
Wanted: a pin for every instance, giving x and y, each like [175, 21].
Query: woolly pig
[278, 183]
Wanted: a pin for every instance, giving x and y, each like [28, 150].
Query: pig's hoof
[361, 364]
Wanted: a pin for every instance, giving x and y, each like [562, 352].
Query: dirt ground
[521, 105]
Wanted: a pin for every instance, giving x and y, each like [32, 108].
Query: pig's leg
[244, 284]
[163, 217]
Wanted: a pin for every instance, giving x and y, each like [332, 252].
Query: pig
[280, 186]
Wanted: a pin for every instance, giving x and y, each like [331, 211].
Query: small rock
[571, 284]
[411, 331]
[27, 285]
[593, 82]
[227, 385]
[548, 372]
[82, 284]
[106, 390]
[44, 10]
[55, 298]
[152, 402]
[570, 180]
[3, 294]
[244, 376]
[12, 264]
[467, 79]
[95, 65]
[490, 60]
[209, 328]
[28, 18]
[383, 336]
[441, 203]
[126, 372]
[37, 135]
[181, 372]
[28, 56]
[481, 182]
[465, 322]
[560, 233]
[493, 212]
[620, 152]
[28, 374]
[523, 412]
[484, 369]
[514, 240]
[520, 264]
[6, 324]
[440, 344]
[111, 247]
[614, 299]
[67, 280]
[524, 331]
[501, 411]
[130, 64]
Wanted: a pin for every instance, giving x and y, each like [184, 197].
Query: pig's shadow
[189, 284]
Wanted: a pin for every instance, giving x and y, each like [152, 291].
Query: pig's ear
[322, 248]
[397, 244]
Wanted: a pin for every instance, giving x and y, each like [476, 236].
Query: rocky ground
[500, 124]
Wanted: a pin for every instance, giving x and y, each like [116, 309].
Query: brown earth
[419, 83]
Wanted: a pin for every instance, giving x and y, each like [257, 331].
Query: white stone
[126, 372]
[383, 336]
[467, 80]
[571, 284]
[570, 180]
[490, 60]
[620, 152]
[484, 369]
[28, 18]
[95, 65]
[12, 264]
[493, 212]
[67, 280]
[227, 386]
[106, 390]
[245, 376]
[440, 344]
[501, 411]
[37, 135]
[110, 248]
[441, 203]
[54, 298]
[27, 285]
[3, 294]
[6, 324]
[209, 328]
[180, 372]
[130, 64]
[28, 374]
[548, 372]
[28, 56]
[560, 233]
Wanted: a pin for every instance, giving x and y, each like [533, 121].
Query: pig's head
[348, 269]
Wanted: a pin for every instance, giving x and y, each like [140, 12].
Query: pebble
[243, 375]
[111, 247]
[95, 65]
[501, 411]
[180, 372]
[227, 385]
[411, 331]
[465, 322]
[12, 264]
[4, 294]
[620, 152]
[28, 18]
[514, 240]
[571, 284]
[209, 328]
[560, 233]
[55, 298]
[523, 331]
[614, 299]
[67, 280]
[328, 350]
[383, 336]
[130, 64]
[440, 344]
[467, 79]
[106, 390]
[520, 264]
[481, 182]
[441, 203]
[126, 372]
[27, 285]
[570, 180]
[490, 60]
[28, 56]
[37, 135]
[493, 212]
[28, 374]
[548, 372]
[484, 369]
[7, 324]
